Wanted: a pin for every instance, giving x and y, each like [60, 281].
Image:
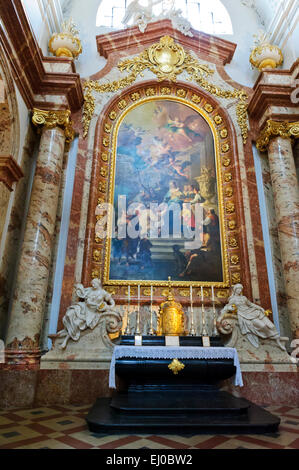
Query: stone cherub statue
[86, 313]
[252, 319]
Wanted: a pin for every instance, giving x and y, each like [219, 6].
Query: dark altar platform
[157, 401]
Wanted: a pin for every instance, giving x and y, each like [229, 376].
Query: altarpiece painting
[165, 166]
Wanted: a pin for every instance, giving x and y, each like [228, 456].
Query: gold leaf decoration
[234, 259]
[232, 224]
[166, 59]
[104, 156]
[228, 177]
[209, 108]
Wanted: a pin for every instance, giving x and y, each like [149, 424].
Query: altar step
[162, 249]
[232, 416]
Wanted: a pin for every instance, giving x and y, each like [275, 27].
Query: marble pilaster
[23, 335]
[286, 200]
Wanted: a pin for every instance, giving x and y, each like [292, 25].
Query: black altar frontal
[163, 395]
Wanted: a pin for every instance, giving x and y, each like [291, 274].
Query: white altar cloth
[172, 352]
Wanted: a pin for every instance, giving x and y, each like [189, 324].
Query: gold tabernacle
[171, 321]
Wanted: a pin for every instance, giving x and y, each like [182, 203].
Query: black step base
[188, 402]
[250, 419]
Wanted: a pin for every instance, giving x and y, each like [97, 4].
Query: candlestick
[192, 329]
[151, 331]
[204, 330]
[137, 332]
[215, 331]
[127, 330]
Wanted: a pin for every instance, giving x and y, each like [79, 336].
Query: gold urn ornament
[171, 321]
[66, 43]
[265, 55]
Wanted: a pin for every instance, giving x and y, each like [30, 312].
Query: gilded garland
[166, 60]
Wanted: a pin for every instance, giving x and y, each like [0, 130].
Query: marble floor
[63, 427]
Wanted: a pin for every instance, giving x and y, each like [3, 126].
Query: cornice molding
[10, 172]
[28, 64]
[211, 48]
[273, 88]
[286, 130]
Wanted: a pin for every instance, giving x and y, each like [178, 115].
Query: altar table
[172, 352]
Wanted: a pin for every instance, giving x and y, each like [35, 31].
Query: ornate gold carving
[100, 201]
[95, 274]
[230, 207]
[196, 99]
[97, 255]
[51, 119]
[234, 259]
[181, 93]
[233, 243]
[287, 130]
[104, 156]
[103, 172]
[232, 224]
[147, 292]
[102, 186]
[228, 177]
[185, 293]
[224, 133]
[165, 90]
[175, 366]
[225, 148]
[229, 191]
[166, 59]
[150, 92]
[122, 104]
[111, 290]
[226, 162]
[221, 294]
[218, 119]
[135, 96]
[112, 115]
[209, 108]
[107, 128]
[106, 142]
[236, 278]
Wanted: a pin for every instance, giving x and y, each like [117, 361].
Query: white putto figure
[251, 318]
[143, 15]
[86, 314]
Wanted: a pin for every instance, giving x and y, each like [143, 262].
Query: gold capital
[286, 130]
[51, 119]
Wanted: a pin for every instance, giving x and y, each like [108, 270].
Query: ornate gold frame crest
[166, 59]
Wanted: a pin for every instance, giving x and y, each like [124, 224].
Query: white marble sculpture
[142, 15]
[87, 313]
[252, 320]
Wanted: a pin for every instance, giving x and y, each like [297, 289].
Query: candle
[191, 298]
[151, 294]
[138, 293]
[129, 294]
[213, 298]
[201, 293]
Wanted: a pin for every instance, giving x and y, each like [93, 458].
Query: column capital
[284, 129]
[51, 119]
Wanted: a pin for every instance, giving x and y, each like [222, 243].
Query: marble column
[26, 315]
[277, 138]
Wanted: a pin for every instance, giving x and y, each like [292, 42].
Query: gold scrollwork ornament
[166, 59]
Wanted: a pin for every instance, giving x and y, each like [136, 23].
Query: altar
[165, 388]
